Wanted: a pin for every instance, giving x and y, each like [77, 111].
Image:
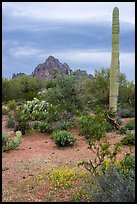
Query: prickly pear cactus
[18, 134]
[5, 138]
[114, 68]
[15, 142]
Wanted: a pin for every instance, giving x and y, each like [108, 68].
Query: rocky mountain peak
[45, 70]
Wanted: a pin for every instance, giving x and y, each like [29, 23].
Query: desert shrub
[121, 130]
[84, 124]
[45, 127]
[34, 125]
[4, 111]
[126, 112]
[40, 110]
[22, 126]
[104, 157]
[64, 94]
[93, 126]
[63, 138]
[127, 167]
[21, 122]
[112, 187]
[61, 125]
[20, 102]
[130, 125]
[10, 123]
[129, 139]
[12, 105]
[67, 116]
[111, 181]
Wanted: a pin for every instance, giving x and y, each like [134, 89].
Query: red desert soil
[38, 151]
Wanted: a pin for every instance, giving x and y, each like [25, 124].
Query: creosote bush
[93, 126]
[45, 127]
[129, 139]
[63, 138]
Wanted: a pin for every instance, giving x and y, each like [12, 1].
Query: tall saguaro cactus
[114, 67]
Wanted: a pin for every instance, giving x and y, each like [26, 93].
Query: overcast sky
[77, 33]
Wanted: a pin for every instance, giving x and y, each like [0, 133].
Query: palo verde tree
[114, 68]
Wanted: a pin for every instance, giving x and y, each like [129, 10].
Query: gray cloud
[79, 36]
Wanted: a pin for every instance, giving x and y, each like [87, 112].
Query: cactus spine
[114, 67]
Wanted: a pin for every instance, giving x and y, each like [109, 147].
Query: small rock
[29, 147]
[30, 174]
[46, 161]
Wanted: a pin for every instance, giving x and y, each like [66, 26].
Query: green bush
[45, 127]
[129, 139]
[4, 111]
[22, 126]
[63, 138]
[10, 123]
[130, 125]
[12, 105]
[95, 126]
[21, 121]
[127, 167]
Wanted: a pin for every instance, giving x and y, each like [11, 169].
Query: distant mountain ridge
[47, 69]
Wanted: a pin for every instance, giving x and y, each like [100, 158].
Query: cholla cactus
[114, 68]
